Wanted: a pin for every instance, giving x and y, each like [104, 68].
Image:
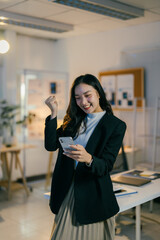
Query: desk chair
[121, 163]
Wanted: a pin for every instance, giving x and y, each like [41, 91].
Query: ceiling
[81, 21]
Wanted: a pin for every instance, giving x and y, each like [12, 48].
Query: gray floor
[30, 218]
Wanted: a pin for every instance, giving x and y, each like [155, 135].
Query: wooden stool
[8, 183]
[49, 171]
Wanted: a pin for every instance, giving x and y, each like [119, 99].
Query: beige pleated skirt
[66, 228]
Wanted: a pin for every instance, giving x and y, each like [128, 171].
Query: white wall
[104, 51]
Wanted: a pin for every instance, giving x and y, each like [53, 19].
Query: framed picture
[53, 87]
[123, 86]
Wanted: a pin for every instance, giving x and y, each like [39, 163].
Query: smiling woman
[76, 111]
[82, 194]
[87, 98]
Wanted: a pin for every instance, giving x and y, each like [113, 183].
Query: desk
[144, 194]
[14, 151]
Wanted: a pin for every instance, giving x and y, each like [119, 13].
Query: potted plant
[8, 121]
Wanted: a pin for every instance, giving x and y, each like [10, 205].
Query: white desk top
[144, 194]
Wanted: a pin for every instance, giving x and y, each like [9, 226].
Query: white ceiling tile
[78, 31]
[104, 25]
[76, 17]
[35, 8]
[6, 3]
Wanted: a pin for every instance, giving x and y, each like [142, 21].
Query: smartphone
[66, 142]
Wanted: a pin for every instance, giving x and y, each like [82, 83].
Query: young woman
[81, 193]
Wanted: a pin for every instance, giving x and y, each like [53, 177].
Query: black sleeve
[52, 134]
[100, 166]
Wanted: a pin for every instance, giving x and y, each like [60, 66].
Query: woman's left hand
[79, 154]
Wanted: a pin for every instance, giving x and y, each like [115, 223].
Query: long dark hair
[75, 115]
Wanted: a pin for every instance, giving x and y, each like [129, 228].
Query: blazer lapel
[98, 133]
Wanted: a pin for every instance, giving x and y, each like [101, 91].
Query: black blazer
[93, 191]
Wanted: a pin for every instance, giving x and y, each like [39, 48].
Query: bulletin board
[123, 86]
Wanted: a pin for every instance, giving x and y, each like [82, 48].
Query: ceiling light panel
[32, 22]
[105, 7]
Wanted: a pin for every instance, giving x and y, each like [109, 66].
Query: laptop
[134, 181]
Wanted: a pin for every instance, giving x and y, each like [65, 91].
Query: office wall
[104, 51]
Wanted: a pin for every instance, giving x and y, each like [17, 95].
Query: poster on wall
[109, 87]
[125, 85]
[57, 88]
[35, 91]
[125, 90]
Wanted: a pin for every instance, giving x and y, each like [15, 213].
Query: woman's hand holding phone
[78, 153]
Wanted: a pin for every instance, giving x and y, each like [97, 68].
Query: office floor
[30, 218]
